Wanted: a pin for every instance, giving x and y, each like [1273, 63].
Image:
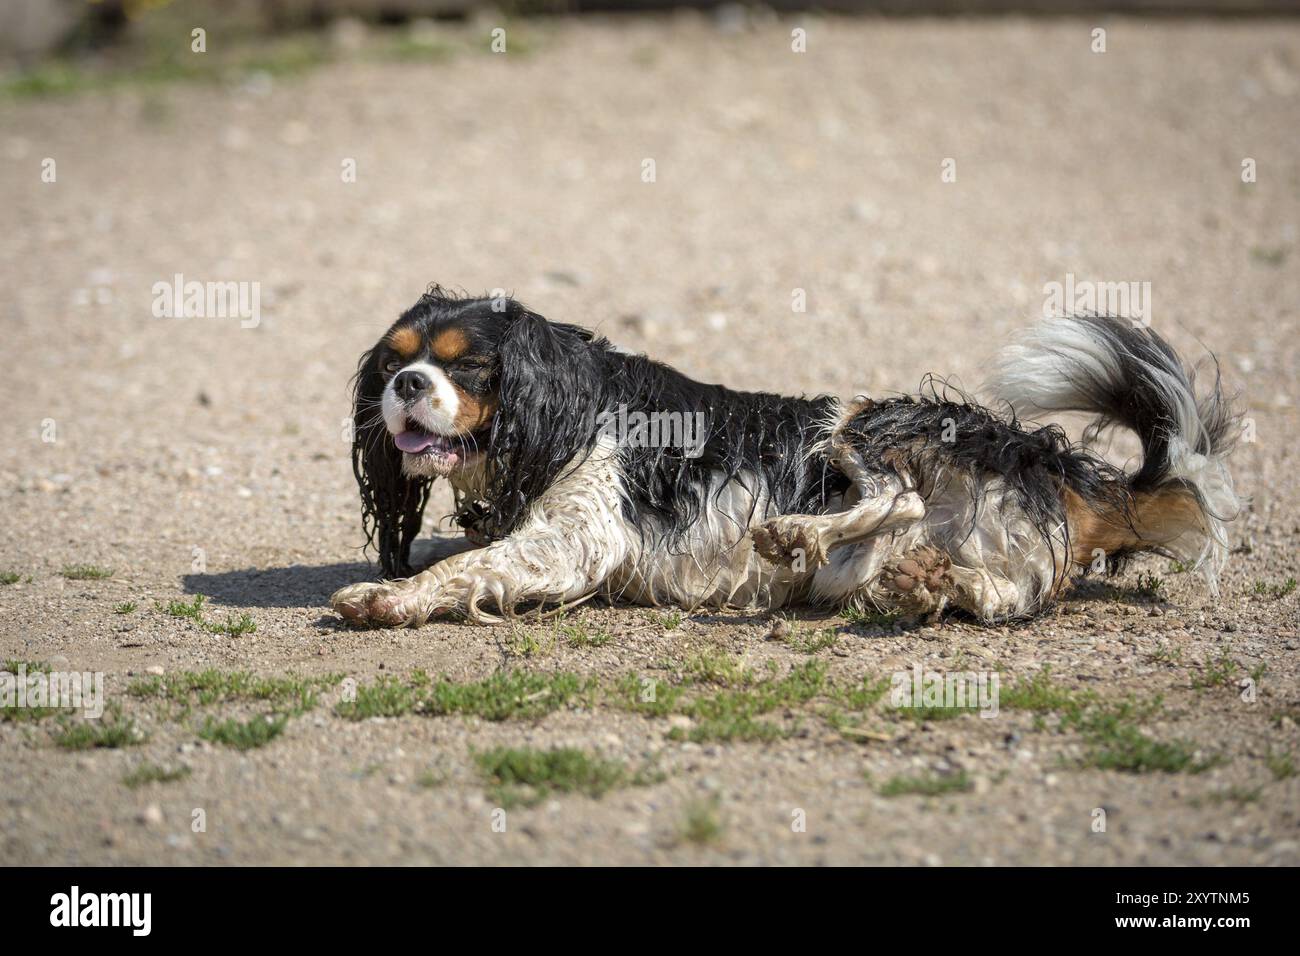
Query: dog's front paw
[394, 604]
[790, 541]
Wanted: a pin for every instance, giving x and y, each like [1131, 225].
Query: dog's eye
[471, 364]
[392, 367]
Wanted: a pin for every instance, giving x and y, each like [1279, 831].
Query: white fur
[437, 414]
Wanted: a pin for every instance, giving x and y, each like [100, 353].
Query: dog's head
[477, 389]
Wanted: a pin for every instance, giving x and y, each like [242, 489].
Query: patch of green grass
[529, 644]
[863, 695]
[1216, 673]
[929, 785]
[732, 714]
[86, 572]
[506, 695]
[387, 697]
[1269, 255]
[1038, 694]
[431, 779]
[1275, 591]
[1168, 654]
[244, 735]
[110, 731]
[419, 49]
[648, 696]
[523, 776]
[870, 617]
[815, 642]
[718, 667]
[11, 712]
[1150, 586]
[580, 635]
[290, 694]
[232, 626]
[10, 577]
[126, 607]
[702, 824]
[1280, 765]
[670, 621]
[1234, 794]
[280, 57]
[1287, 714]
[1110, 728]
[1180, 567]
[192, 611]
[930, 714]
[14, 714]
[148, 773]
[1125, 748]
[732, 727]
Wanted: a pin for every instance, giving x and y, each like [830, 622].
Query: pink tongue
[414, 442]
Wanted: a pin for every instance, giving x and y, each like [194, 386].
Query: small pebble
[779, 631]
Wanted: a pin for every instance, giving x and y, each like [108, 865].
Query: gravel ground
[198, 457]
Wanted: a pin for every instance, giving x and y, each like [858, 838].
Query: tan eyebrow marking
[406, 341]
[450, 344]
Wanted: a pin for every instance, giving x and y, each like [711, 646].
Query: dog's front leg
[572, 542]
[530, 567]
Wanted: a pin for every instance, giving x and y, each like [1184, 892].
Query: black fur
[557, 380]
[392, 505]
[553, 381]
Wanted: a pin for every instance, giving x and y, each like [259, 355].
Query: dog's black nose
[410, 383]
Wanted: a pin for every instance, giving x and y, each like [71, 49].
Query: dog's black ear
[548, 392]
[392, 504]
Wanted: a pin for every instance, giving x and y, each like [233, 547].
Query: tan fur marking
[1158, 517]
[450, 344]
[406, 341]
[474, 411]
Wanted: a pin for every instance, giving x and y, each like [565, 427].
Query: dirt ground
[193, 456]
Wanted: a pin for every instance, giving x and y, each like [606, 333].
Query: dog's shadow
[306, 585]
[298, 585]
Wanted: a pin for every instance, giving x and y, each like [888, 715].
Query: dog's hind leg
[887, 504]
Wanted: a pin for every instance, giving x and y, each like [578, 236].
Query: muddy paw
[920, 580]
[377, 605]
[789, 542]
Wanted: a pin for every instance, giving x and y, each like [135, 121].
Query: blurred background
[125, 33]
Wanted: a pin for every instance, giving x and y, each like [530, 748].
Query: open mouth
[443, 451]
